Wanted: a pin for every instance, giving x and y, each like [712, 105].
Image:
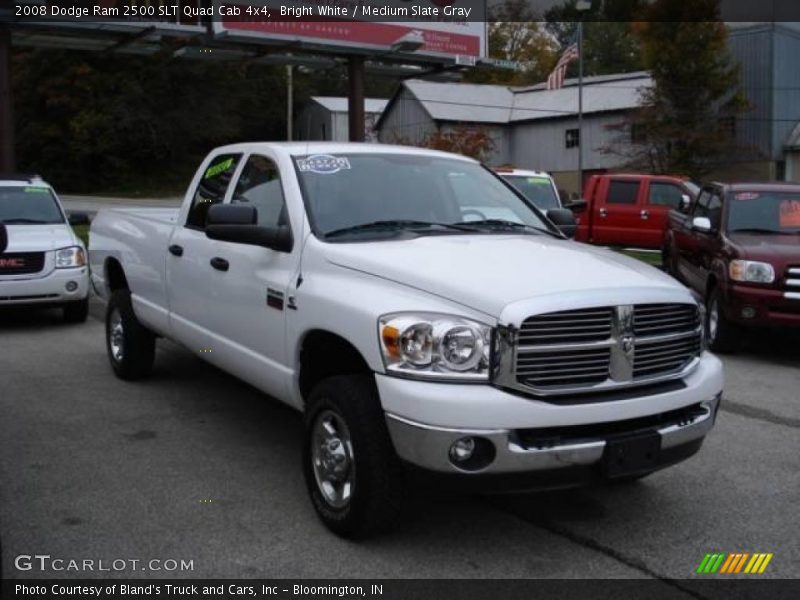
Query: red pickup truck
[623, 209]
[739, 247]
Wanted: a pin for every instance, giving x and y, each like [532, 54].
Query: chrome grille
[660, 357]
[573, 368]
[602, 348]
[792, 283]
[657, 319]
[568, 327]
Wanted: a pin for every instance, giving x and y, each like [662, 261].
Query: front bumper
[519, 451]
[762, 307]
[49, 289]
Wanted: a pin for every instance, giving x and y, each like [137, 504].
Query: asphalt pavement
[194, 465]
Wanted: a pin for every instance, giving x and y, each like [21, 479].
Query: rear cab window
[623, 191]
[29, 205]
[212, 188]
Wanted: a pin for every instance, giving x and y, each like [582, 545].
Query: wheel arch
[323, 354]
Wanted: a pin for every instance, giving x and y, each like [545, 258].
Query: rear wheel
[722, 334]
[131, 346]
[352, 473]
[77, 312]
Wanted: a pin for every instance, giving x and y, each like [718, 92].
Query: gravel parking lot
[194, 465]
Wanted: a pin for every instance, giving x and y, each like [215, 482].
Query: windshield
[29, 205]
[777, 212]
[537, 189]
[384, 193]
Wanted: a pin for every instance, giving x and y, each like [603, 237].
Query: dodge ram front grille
[599, 349]
[21, 263]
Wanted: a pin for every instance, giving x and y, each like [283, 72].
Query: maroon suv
[739, 246]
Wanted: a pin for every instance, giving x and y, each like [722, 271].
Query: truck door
[247, 322]
[195, 294]
[660, 198]
[616, 218]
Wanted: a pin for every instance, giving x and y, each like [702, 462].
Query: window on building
[572, 138]
[638, 134]
[622, 192]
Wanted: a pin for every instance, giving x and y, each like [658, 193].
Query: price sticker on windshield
[36, 190]
[789, 212]
[747, 196]
[323, 164]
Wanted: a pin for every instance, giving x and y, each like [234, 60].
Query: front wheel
[722, 334]
[351, 471]
[131, 346]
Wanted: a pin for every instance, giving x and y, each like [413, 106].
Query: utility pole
[7, 162]
[580, 108]
[355, 98]
[289, 103]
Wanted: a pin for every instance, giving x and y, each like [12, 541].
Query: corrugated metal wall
[786, 87]
[542, 144]
[752, 48]
[405, 120]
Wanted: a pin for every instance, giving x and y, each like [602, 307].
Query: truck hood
[489, 272]
[39, 238]
[777, 249]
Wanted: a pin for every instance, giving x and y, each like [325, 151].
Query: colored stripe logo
[735, 563]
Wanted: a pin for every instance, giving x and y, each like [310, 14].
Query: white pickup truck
[425, 318]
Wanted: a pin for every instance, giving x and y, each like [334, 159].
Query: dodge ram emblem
[627, 344]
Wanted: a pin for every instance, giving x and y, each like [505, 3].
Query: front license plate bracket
[631, 455]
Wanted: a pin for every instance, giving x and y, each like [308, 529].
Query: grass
[651, 258]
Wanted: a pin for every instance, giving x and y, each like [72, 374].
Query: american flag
[556, 79]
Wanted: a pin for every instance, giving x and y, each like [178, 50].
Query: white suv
[42, 261]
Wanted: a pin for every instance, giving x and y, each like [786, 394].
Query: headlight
[434, 346]
[73, 256]
[751, 271]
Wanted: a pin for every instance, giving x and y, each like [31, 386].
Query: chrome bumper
[429, 447]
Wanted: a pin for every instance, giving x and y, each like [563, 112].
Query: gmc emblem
[12, 263]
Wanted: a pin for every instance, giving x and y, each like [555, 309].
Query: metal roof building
[325, 119]
[531, 127]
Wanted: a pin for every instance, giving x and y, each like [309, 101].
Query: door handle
[175, 250]
[220, 264]
[645, 215]
[603, 213]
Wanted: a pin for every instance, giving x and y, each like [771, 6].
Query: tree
[684, 122]
[468, 140]
[609, 45]
[516, 34]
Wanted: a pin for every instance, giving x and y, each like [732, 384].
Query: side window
[664, 194]
[260, 186]
[212, 187]
[701, 206]
[715, 211]
[622, 192]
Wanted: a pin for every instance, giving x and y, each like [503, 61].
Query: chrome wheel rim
[332, 459]
[713, 320]
[116, 335]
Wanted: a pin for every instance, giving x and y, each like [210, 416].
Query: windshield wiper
[394, 225]
[501, 224]
[20, 221]
[768, 231]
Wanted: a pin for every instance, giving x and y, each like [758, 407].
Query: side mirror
[237, 224]
[701, 224]
[576, 205]
[564, 219]
[686, 202]
[78, 218]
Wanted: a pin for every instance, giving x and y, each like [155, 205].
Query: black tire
[351, 404]
[666, 261]
[131, 355]
[77, 312]
[722, 337]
